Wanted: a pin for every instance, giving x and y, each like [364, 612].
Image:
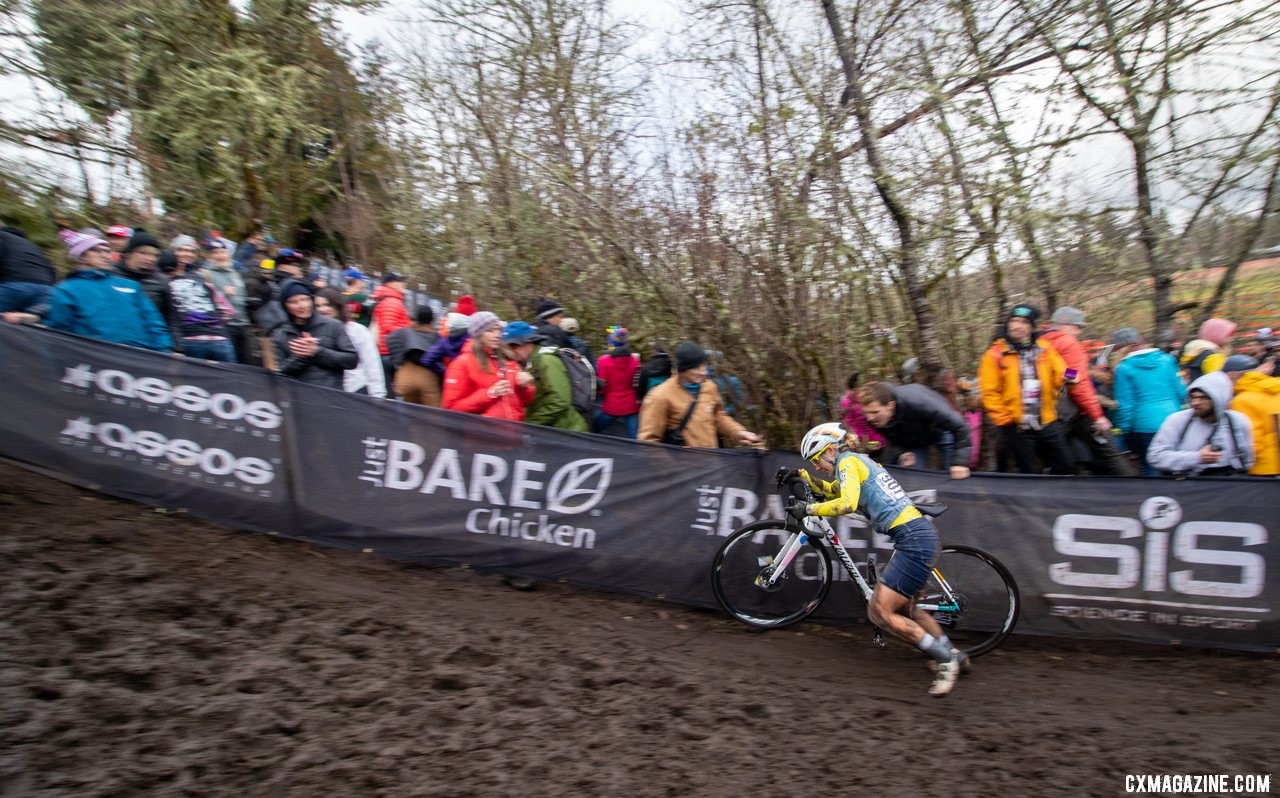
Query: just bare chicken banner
[1192, 561]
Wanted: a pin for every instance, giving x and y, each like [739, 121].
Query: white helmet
[819, 438]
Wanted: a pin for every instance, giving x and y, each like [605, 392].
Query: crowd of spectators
[1043, 398]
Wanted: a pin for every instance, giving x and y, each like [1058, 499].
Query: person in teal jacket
[1147, 390]
[97, 303]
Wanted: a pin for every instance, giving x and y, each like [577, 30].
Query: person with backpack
[1207, 440]
[687, 410]
[1086, 427]
[554, 402]
[1208, 350]
[653, 372]
[414, 382]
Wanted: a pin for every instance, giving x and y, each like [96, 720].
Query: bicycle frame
[821, 531]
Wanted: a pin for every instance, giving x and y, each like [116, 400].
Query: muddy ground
[143, 653]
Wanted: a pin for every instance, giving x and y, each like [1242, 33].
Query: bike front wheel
[741, 576]
[973, 597]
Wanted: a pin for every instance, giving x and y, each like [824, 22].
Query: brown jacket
[666, 404]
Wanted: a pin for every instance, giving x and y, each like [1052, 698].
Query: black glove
[786, 476]
[797, 509]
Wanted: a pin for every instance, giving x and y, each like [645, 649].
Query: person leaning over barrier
[914, 417]
[309, 347]
[1207, 440]
[97, 303]
[863, 486]
[687, 410]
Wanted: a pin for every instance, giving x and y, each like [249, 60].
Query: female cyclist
[863, 486]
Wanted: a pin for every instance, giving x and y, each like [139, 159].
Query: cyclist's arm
[851, 473]
[827, 490]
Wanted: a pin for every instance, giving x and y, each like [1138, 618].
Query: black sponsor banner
[421, 483]
[149, 427]
[1152, 560]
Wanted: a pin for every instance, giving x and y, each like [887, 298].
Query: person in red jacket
[389, 312]
[1087, 429]
[617, 372]
[484, 379]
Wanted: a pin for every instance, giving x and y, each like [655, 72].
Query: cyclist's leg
[889, 610]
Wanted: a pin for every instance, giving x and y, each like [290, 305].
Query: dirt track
[143, 653]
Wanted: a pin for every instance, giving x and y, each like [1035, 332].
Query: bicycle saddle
[931, 509]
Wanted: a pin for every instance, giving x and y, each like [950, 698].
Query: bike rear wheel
[980, 606]
[746, 558]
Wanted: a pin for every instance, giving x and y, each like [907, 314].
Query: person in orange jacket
[1085, 427]
[484, 379]
[1020, 378]
[1257, 395]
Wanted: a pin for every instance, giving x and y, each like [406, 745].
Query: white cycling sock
[934, 648]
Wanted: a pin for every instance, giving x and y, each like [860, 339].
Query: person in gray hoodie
[1208, 439]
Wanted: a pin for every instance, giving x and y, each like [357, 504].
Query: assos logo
[1184, 566]
[574, 489]
[190, 398]
[174, 452]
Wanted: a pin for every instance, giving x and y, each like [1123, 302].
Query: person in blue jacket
[97, 303]
[1147, 390]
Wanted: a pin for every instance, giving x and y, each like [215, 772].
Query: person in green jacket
[553, 401]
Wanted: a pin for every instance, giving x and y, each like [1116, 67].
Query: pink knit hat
[79, 243]
[1219, 331]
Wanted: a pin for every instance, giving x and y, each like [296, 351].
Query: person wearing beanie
[1208, 350]
[1257, 396]
[450, 344]
[138, 261]
[198, 312]
[618, 371]
[187, 252]
[1147, 390]
[309, 347]
[687, 409]
[366, 378]
[1020, 377]
[96, 302]
[552, 404]
[1086, 427]
[547, 311]
[413, 382]
[26, 276]
[484, 379]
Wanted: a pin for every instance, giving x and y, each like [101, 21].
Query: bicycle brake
[879, 640]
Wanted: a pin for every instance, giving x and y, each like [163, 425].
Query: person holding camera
[1208, 439]
[687, 409]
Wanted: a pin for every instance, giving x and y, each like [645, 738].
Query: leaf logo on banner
[579, 486]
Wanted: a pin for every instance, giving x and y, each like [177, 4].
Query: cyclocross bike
[775, 572]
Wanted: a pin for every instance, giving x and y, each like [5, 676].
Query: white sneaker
[965, 664]
[945, 679]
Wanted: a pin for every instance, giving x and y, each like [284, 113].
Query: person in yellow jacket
[1020, 378]
[1257, 395]
[687, 409]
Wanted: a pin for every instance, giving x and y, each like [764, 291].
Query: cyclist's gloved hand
[786, 476]
[797, 509]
